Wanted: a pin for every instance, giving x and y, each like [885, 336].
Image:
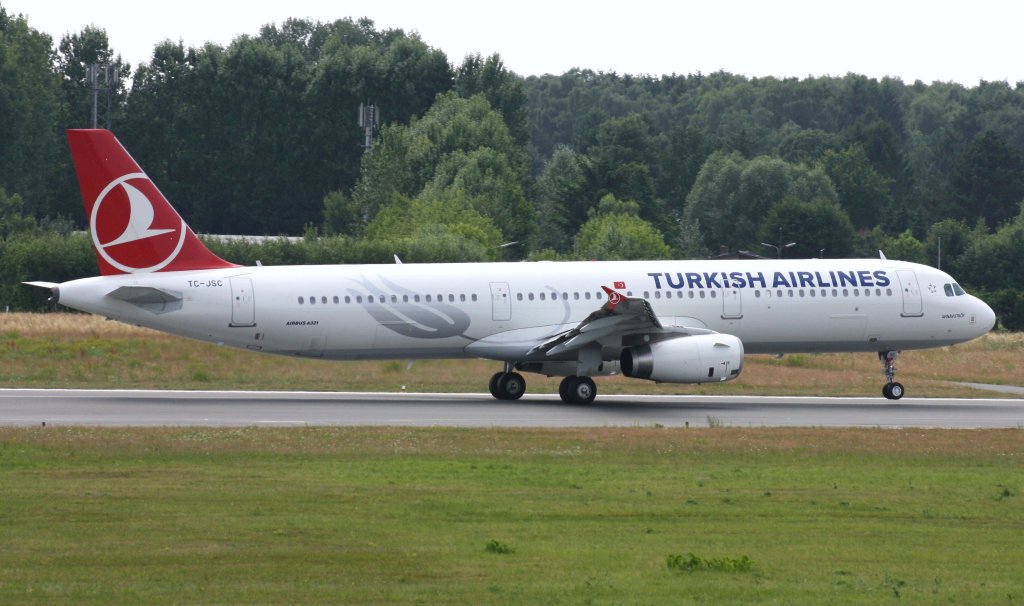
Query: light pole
[778, 248]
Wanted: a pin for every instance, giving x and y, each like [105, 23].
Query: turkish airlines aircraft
[666, 321]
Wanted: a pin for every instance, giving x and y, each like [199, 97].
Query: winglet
[614, 298]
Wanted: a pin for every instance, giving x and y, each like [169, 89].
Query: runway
[134, 408]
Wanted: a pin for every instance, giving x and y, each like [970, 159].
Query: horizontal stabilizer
[49, 285]
[155, 300]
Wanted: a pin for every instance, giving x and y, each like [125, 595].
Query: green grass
[428, 516]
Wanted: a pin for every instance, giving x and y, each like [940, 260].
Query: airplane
[669, 321]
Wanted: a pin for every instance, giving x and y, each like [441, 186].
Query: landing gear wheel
[510, 386]
[891, 390]
[493, 385]
[565, 387]
[577, 390]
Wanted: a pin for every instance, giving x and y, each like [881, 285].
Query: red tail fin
[134, 228]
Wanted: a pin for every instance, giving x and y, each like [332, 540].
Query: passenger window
[336, 301]
[757, 294]
[542, 297]
[301, 300]
[359, 299]
[519, 296]
[462, 298]
[474, 297]
[416, 298]
[405, 298]
[323, 300]
[657, 294]
[348, 299]
[586, 295]
[394, 298]
[576, 296]
[530, 296]
[312, 300]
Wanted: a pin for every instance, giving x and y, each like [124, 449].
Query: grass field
[449, 516]
[74, 350]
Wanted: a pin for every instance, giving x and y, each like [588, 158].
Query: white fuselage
[502, 310]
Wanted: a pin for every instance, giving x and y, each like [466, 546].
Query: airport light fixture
[779, 247]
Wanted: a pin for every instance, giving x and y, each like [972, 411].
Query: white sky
[911, 39]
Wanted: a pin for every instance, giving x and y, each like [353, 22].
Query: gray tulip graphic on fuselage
[434, 320]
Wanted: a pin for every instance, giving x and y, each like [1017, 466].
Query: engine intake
[696, 359]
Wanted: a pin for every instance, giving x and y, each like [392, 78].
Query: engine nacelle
[696, 359]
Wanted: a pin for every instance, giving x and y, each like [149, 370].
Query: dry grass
[76, 350]
[69, 325]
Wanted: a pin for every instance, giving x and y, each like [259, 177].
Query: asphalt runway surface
[134, 408]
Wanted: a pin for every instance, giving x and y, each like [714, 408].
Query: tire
[565, 389]
[896, 391]
[493, 385]
[583, 390]
[511, 386]
[886, 392]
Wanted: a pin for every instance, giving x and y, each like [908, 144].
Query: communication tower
[109, 77]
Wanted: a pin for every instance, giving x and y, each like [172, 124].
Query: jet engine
[693, 359]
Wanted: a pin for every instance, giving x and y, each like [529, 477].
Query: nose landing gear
[892, 390]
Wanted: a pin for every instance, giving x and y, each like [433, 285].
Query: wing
[619, 315]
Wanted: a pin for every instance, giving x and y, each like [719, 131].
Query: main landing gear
[507, 385]
[577, 390]
[891, 390]
[510, 385]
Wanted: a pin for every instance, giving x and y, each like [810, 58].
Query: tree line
[473, 162]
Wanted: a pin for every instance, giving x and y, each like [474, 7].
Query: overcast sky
[912, 39]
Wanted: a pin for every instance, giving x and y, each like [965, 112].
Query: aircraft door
[243, 303]
[911, 293]
[501, 302]
[732, 303]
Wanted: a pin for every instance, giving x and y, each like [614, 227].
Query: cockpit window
[959, 291]
[949, 289]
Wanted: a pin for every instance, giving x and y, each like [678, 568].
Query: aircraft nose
[986, 318]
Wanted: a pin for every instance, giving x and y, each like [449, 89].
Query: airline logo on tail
[134, 228]
[123, 224]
